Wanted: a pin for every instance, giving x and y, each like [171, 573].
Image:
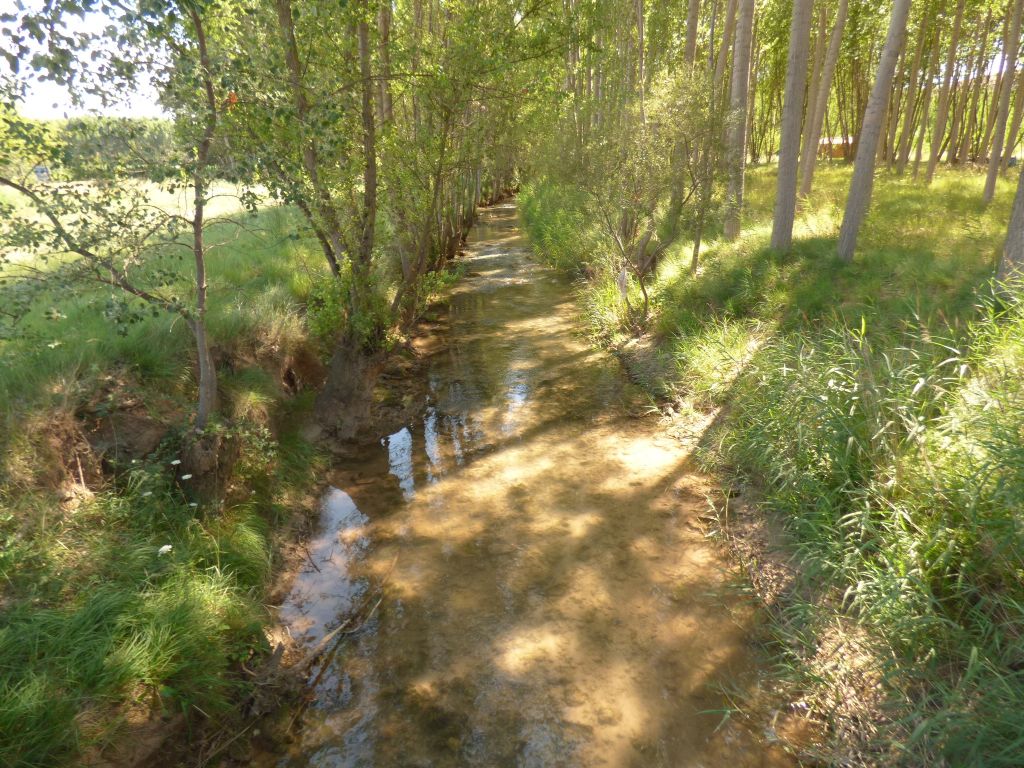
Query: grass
[136, 599]
[877, 408]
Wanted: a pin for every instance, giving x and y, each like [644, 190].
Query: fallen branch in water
[320, 647]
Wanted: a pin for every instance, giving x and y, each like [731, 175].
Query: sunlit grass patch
[128, 595]
[878, 408]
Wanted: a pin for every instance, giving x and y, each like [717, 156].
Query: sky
[46, 100]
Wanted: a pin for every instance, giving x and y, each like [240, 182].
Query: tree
[942, 110]
[692, 19]
[737, 144]
[114, 235]
[859, 198]
[1003, 108]
[1011, 263]
[816, 118]
[387, 179]
[792, 111]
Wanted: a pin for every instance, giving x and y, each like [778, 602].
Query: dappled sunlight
[549, 595]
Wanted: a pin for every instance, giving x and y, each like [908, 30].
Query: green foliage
[95, 618]
[326, 310]
[98, 147]
[555, 217]
[878, 407]
[149, 600]
[898, 468]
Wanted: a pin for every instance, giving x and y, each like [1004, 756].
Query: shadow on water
[549, 598]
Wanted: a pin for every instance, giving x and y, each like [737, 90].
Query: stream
[523, 568]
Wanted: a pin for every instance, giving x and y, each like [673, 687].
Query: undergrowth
[877, 407]
[133, 599]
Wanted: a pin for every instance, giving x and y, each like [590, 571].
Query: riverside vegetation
[875, 410]
[195, 310]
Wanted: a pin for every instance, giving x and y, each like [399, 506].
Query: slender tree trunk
[859, 198]
[816, 119]
[1011, 265]
[207, 401]
[1009, 69]
[902, 150]
[789, 144]
[356, 361]
[323, 203]
[980, 79]
[942, 110]
[384, 45]
[641, 60]
[711, 35]
[993, 99]
[926, 108]
[813, 85]
[692, 17]
[958, 96]
[723, 49]
[1012, 138]
[738, 125]
[369, 148]
[886, 147]
[752, 90]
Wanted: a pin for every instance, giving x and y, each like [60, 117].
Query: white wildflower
[165, 549]
[186, 477]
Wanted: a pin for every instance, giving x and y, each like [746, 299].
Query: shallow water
[547, 597]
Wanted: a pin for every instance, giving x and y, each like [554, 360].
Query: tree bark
[942, 109]
[692, 17]
[992, 99]
[789, 144]
[1011, 265]
[1009, 70]
[738, 125]
[980, 77]
[369, 214]
[817, 119]
[902, 150]
[384, 14]
[347, 396]
[323, 204]
[859, 198]
[926, 108]
[723, 49]
[1015, 122]
[207, 400]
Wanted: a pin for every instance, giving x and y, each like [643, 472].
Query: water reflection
[323, 591]
[400, 465]
[546, 596]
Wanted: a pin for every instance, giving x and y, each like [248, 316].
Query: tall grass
[136, 598]
[878, 408]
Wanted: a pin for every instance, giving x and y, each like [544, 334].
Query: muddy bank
[519, 574]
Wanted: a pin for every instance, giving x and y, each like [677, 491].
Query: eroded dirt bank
[523, 570]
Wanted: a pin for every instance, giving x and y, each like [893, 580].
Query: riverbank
[866, 410]
[133, 606]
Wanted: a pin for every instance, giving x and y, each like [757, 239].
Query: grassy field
[127, 597]
[876, 411]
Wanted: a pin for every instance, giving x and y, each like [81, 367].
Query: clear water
[548, 596]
